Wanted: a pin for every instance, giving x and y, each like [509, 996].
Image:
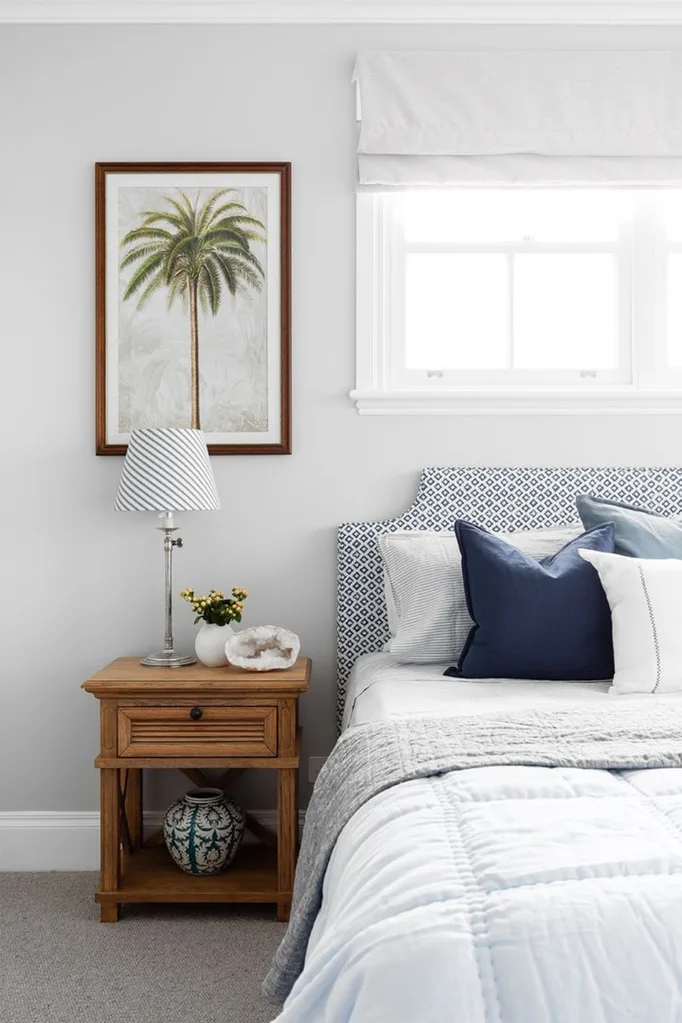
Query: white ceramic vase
[210, 644]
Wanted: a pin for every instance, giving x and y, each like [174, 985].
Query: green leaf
[239, 223]
[184, 212]
[240, 219]
[142, 274]
[177, 288]
[234, 208]
[245, 275]
[144, 233]
[139, 253]
[180, 248]
[226, 232]
[208, 208]
[209, 282]
[161, 216]
[248, 257]
[227, 271]
[156, 282]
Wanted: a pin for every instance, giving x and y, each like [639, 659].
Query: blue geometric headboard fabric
[499, 499]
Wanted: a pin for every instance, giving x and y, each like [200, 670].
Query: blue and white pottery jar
[203, 831]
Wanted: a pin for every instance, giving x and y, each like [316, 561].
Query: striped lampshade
[167, 470]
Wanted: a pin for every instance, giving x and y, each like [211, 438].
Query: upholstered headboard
[500, 499]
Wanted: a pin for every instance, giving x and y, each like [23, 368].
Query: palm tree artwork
[198, 249]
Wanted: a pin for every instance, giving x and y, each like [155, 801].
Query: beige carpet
[160, 964]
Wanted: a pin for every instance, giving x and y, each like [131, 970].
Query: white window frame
[641, 384]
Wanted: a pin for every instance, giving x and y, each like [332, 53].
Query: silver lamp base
[168, 659]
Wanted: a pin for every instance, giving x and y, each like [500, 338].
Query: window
[533, 298]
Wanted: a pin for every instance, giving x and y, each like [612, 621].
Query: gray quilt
[372, 758]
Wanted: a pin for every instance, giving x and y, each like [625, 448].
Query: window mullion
[626, 301]
[396, 254]
[510, 310]
[649, 287]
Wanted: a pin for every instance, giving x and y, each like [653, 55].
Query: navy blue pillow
[543, 620]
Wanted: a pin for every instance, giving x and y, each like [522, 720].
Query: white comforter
[503, 895]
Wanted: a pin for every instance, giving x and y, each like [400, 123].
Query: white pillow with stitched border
[645, 597]
[425, 599]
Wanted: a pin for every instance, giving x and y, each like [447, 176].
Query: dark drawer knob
[196, 713]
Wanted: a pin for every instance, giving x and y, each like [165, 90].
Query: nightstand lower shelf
[150, 875]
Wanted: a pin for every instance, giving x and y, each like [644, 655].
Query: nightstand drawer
[197, 731]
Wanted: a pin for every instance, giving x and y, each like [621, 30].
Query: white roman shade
[503, 117]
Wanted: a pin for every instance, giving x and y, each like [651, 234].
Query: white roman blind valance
[503, 117]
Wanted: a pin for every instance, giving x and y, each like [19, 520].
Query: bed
[490, 851]
[380, 688]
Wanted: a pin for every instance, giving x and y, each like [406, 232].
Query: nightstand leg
[283, 912]
[133, 808]
[287, 828]
[110, 914]
[110, 839]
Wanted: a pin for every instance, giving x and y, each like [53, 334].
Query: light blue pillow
[639, 533]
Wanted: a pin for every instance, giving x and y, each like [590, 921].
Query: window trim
[376, 394]
[491, 402]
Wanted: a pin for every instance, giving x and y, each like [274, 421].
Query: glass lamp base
[167, 659]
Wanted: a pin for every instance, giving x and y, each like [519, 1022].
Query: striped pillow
[423, 581]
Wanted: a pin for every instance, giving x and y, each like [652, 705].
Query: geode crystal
[262, 648]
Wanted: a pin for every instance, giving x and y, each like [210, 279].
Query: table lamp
[167, 471]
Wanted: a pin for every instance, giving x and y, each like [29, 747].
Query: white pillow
[645, 597]
[424, 588]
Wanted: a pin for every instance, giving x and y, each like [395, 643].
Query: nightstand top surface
[128, 672]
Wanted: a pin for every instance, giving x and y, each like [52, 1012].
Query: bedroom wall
[80, 584]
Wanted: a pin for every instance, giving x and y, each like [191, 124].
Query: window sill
[499, 402]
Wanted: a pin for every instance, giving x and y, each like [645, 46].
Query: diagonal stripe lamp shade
[167, 470]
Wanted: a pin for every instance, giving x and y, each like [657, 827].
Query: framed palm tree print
[193, 303]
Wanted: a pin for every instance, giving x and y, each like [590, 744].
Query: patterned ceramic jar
[203, 831]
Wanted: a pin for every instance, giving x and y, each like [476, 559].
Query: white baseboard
[46, 840]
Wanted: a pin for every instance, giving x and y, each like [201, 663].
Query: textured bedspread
[493, 871]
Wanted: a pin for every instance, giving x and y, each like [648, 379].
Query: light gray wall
[79, 583]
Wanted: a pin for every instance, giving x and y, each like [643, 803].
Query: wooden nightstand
[192, 719]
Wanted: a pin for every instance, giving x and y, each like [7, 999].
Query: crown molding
[456, 12]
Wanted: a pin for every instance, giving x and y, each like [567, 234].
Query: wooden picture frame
[212, 243]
